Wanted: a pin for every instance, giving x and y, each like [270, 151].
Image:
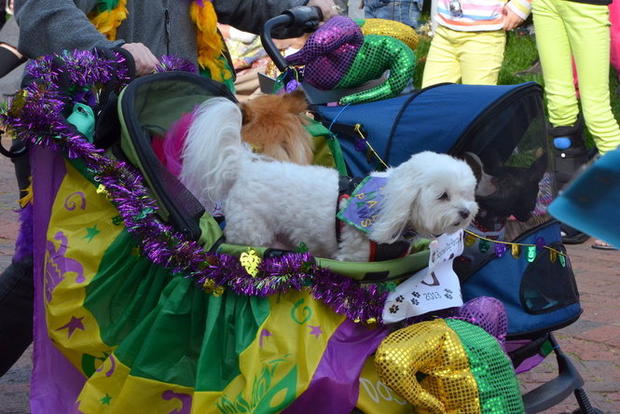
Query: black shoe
[569, 161]
[571, 235]
[535, 69]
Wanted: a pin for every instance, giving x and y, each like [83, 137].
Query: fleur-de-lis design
[250, 261]
[57, 265]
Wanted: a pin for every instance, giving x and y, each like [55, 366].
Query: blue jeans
[405, 11]
[344, 6]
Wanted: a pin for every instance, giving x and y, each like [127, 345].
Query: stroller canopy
[441, 118]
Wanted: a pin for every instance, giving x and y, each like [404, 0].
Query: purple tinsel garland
[175, 63]
[35, 114]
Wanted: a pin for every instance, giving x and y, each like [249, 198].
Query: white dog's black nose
[464, 213]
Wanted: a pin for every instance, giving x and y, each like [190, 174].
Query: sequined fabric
[433, 349]
[339, 56]
[498, 387]
[449, 366]
[328, 52]
[488, 313]
[384, 27]
[377, 55]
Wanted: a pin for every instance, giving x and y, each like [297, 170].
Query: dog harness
[366, 195]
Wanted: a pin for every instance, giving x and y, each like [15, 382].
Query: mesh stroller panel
[539, 296]
[148, 107]
[509, 155]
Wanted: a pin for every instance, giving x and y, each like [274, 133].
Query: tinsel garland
[35, 116]
[172, 63]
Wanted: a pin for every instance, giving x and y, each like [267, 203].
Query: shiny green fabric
[166, 326]
[498, 387]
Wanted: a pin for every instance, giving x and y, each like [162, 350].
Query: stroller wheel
[585, 407]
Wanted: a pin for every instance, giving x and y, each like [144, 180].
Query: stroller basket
[147, 107]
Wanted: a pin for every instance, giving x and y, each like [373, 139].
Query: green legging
[563, 27]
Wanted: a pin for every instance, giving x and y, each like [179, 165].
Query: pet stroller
[120, 321]
[504, 126]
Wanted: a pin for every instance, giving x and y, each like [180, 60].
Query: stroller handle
[303, 17]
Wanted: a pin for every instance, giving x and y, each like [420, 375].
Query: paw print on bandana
[394, 308]
[415, 294]
[414, 301]
[448, 293]
[400, 299]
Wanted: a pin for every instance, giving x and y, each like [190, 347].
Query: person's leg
[374, 8]
[16, 285]
[441, 61]
[587, 26]
[614, 19]
[563, 110]
[407, 12]
[16, 308]
[343, 7]
[555, 58]
[481, 55]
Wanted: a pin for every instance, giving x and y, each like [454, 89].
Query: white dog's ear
[400, 193]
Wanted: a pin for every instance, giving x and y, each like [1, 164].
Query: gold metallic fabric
[384, 27]
[426, 364]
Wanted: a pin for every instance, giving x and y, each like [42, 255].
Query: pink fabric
[575, 77]
[614, 19]
[614, 52]
[169, 150]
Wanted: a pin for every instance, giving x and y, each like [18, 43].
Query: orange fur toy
[275, 126]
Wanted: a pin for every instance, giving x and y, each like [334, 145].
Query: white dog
[267, 201]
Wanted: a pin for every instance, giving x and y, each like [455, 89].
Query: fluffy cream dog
[267, 201]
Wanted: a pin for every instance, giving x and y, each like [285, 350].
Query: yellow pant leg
[565, 29]
[470, 57]
[588, 33]
[441, 62]
[555, 57]
[481, 55]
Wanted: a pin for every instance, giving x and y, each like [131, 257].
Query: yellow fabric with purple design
[148, 341]
[339, 55]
